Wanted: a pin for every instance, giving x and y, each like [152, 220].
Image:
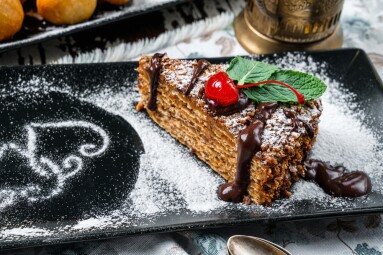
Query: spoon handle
[243, 245]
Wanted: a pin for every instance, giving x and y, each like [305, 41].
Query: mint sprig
[247, 71]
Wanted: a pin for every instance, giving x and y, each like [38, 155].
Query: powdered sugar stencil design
[47, 168]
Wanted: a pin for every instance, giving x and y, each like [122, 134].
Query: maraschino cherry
[221, 89]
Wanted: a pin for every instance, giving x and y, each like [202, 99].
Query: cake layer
[286, 139]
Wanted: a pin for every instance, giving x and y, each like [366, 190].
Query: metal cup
[267, 26]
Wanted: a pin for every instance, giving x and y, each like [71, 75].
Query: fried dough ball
[11, 18]
[114, 2]
[66, 12]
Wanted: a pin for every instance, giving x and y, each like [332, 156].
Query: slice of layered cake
[251, 122]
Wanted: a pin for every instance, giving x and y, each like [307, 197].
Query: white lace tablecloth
[362, 23]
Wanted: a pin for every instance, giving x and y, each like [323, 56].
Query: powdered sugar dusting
[182, 74]
[45, 167]
[24, 232]
[165, 165]
[171, 180]
[274, 134]
[345, 139]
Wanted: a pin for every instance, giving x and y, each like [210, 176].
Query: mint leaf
[308, 85]
[248, 71]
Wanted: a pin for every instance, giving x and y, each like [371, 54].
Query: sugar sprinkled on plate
[171, 179]
[17, 232]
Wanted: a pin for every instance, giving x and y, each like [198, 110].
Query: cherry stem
[300, 97]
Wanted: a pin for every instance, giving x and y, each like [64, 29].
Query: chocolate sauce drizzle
[309, 129]
[201, 66]
[295, 122]
[249, 143]
[338, 181]
[241, 104]
[293, 118]
[154, 71]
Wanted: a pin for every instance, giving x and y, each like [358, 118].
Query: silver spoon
[246, 245]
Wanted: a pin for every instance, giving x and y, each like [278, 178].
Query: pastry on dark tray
[258, 147]
[11, 18]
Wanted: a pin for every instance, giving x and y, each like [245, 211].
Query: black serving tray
[34, 30]
[350, 66]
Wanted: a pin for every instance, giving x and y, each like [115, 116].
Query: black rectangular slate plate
[35, 31]
[351, 66]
